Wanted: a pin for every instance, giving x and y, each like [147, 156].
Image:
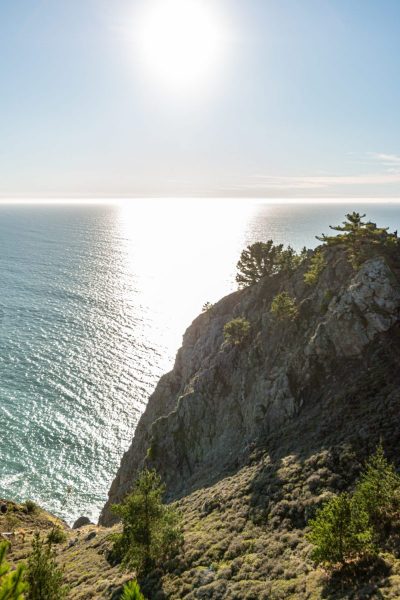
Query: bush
[317, 265]
[340, 531]
[12, 585]
[44, 577]
[283, 307]
[151, 531]
[132, 592]
[56, 536]
[236, 331]
[31, 506]
[263, 259]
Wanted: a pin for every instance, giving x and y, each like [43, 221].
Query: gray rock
[81, 522]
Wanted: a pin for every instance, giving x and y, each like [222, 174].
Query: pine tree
[12, 585]
[378, 490]
[151, 530]
[44, 577]
[340, 531]
[362, 238]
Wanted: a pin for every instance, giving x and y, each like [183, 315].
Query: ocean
[94, 301]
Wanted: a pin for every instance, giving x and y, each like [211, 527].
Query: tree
[132, 591]
[283, 307]
[340, 531]
[362, 238]
[317, 265]
[151, 530]
[12, 585]
[44, 577]
[378, 490]
[237, 331]
[257, 261]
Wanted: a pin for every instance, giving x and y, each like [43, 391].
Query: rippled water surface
[94, 301]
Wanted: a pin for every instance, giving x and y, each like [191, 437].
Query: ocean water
[94, 301]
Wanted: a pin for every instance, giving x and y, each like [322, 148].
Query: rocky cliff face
[293, 385]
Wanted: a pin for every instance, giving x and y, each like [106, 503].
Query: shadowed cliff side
[286, 389]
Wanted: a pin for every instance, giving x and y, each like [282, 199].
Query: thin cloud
[317, 182]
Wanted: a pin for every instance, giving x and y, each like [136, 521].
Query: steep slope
[328, 377]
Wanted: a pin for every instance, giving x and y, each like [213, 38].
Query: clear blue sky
[307, 103]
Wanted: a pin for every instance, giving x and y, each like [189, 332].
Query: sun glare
[181, 43]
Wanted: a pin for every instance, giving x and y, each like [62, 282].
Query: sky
[296, 99]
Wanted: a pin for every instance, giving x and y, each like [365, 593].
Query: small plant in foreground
[132, 591]
[151, 531]
[237, 331]
[44, 577]
[12, 585]
[283, 307]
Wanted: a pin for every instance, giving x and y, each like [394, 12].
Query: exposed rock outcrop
[221, 402]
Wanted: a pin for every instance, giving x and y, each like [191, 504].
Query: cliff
[328, 377]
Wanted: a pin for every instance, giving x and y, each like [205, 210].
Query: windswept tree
[151, 530]
[362, 238]
[265, 259]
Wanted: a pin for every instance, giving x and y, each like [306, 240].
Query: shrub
[44, 577]
[263, 259]
[132, 592]
[31, 506]
[283, 307]
[237, 331]
[151, 531]
[56, 536]
[12, 585]
[317, 265]
[340, 531]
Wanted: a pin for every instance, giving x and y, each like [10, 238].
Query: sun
[180, 43]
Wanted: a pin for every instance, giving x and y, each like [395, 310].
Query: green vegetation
[348, 526]
[362, 239]
[317, 265]
[207, 306]
[283, 307]
[264, 258]
[340, 531]
[151, 530]
[56, 536]
[132, 592]
[236, 331]
[12, 585]
[44, 577]
[31, 506]
[378, 491]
